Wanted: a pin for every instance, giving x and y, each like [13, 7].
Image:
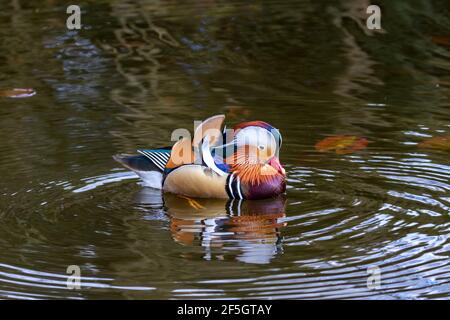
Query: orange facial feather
[246, 165]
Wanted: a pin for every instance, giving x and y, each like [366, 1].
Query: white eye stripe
[255, 136]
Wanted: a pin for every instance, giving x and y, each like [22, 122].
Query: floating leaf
[439, 142]
[17, 93]
[441, 40]
[342, 144]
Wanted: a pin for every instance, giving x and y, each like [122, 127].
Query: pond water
[137, 70]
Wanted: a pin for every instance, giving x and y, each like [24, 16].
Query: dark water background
[139, 69]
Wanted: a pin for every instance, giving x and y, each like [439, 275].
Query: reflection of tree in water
[136, 58]
[398, 56]
[359, 72]
[21, 57]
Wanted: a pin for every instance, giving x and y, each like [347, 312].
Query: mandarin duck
[238, 163]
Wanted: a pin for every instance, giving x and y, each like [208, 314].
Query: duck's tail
[144, 167]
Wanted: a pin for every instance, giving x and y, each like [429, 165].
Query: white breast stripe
[238, 187]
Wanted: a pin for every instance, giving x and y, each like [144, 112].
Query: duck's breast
[267, 189]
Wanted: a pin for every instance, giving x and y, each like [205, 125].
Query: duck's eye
[261, 147]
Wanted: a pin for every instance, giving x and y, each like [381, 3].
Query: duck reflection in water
[248, 230]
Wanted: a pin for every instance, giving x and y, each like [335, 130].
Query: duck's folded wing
[159, 157]
[136, 162]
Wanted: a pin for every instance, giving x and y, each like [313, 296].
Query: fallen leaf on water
[342, 144]
[17, 93]
[439, 142]
[442, 40]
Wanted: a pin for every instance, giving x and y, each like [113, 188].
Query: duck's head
[255, 154]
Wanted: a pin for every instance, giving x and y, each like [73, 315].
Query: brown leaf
[17, 93]
[439, 142]
[441, 40]
[342, 144]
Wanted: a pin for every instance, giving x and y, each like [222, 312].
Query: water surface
[139, 69]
